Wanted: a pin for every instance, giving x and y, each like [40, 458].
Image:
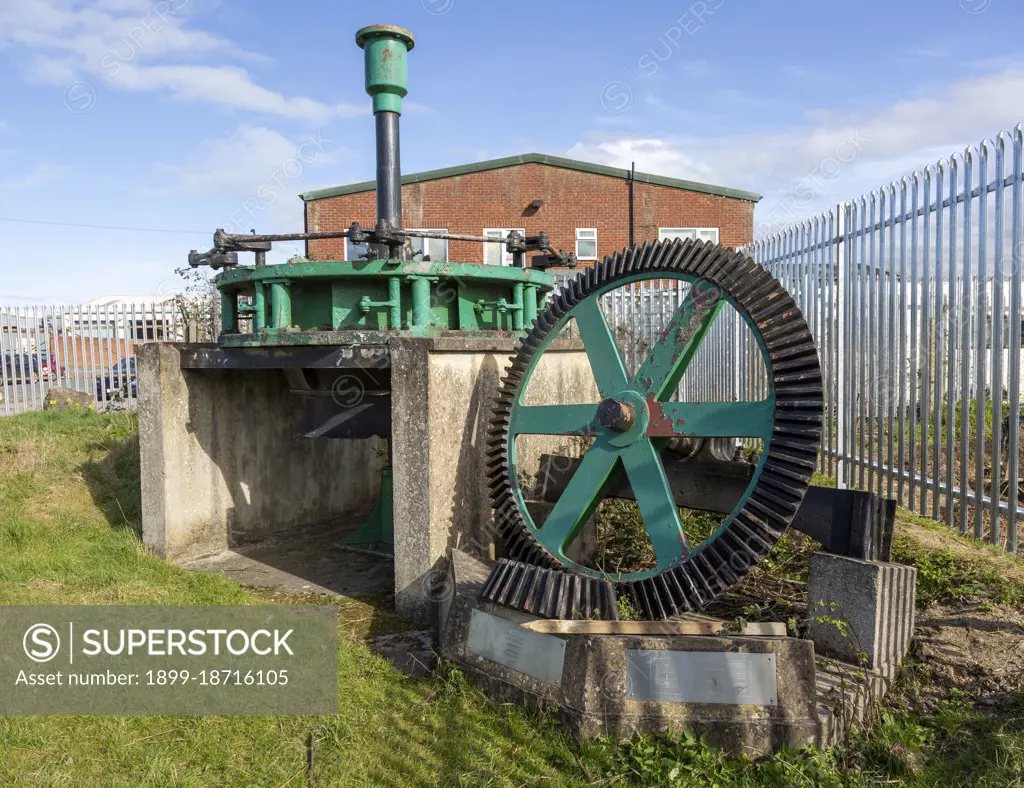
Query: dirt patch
[978, 650]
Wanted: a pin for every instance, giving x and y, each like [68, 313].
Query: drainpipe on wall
[632, 178]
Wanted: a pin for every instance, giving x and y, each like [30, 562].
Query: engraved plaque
[536, 655]
[702, 677]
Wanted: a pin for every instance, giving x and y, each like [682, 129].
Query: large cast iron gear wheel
[636, 419]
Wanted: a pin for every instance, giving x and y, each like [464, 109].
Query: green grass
[69, 515]
[69, 512]
[956, 569]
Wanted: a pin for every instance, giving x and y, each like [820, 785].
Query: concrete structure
[603, 684]
[502, 194]
[442, 392]
[751, 693]
[224, 462]
[861, 612]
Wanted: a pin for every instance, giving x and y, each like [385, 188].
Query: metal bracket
[213, 258]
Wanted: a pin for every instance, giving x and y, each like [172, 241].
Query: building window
[697, 233]
[434, 248]
[495, 254]
[586, 243]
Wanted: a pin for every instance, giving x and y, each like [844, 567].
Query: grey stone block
[861, 612]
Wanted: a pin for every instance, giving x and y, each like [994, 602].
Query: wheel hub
[624, 418]
[616, 415]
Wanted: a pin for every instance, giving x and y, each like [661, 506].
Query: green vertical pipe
[385, 49]
[228, 313]
[259, 315]
[517, 302]
[530, 305]
[420, 302]
[395, 301]
[280, 305]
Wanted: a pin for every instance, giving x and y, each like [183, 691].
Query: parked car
[119, 382]
[21, 367]
[48, 367]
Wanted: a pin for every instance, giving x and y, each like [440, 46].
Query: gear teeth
[532, 579]
[549, 593]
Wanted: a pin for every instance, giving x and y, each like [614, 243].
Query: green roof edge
[535, 158]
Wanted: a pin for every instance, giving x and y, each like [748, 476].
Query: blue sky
[174, 114]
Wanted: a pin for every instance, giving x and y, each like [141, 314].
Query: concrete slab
[671, 627]
[313, 561]
[309, 561]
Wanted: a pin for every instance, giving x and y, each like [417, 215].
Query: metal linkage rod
[227, 245]
[223, 240]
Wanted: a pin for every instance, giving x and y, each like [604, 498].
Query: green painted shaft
[280, 305]
[228, 312]
[530, 305]
[380, 528]
[517, 313]
[395, 303]
[420, 302]
[259, 315]
[385, 51]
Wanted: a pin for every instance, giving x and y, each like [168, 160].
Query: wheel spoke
[579, 498]
[605, 359]
[673, 350]
[657, 503]
[553, 419]
[712, 419]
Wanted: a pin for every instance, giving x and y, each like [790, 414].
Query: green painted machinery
[303, 317]
[309, 303]
[388, 291]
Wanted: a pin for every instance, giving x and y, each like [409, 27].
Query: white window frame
[594, 239]
[434, 240]
[506, 257]
[668, 233]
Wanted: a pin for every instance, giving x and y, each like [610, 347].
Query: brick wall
[501, 198]
[91, 354]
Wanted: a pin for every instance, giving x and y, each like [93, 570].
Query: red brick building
[584, 208]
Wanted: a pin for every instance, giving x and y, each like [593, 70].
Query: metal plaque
[702, 677]
[539, 656]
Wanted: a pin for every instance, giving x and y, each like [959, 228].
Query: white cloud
[40, 175]
[139, 45]
[259, 173]
[227, 86]
[869, 148]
